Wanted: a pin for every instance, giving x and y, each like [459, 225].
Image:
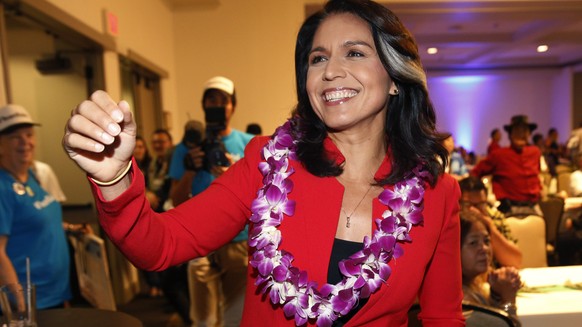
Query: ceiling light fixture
[432, 50]
[542, 48]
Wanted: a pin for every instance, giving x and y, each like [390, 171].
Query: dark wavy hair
[410, 120]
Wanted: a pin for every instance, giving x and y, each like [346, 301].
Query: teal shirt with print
[32, 220]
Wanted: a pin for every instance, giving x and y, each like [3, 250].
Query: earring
[394, 92]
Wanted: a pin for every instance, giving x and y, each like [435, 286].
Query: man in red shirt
[515, 170]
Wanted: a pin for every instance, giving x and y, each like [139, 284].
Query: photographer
[217, 281]
[185, 152]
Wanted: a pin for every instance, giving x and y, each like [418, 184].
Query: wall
[562, 95]
[49, 99]
[145, 28]
[3, 95]
[577, 111]
[252, 42]
[471, 104]
[255, 49]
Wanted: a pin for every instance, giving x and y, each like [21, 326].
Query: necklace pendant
[348, 221]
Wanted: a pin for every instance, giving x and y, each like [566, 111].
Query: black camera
[193, 134]
[214, 149]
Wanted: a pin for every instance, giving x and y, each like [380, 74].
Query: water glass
[18, 305]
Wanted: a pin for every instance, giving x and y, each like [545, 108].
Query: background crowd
[207, 290]
[511, 179]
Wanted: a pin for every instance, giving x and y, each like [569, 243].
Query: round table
[86, 317]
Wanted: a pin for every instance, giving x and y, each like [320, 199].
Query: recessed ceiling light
[432, 50]
[542, 48]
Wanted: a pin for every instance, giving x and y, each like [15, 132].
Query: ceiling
[495, 34]
[486, 34]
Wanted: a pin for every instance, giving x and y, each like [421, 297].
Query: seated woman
[481, 284]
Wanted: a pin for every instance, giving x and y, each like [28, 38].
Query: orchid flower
[364, 272]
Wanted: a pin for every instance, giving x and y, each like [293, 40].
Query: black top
[342, 249]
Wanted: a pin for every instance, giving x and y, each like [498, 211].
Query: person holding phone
[218, 280]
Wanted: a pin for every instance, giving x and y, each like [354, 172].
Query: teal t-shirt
[32, 220]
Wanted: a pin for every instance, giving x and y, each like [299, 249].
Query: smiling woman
[346, 82]
[481, 285]
[30, 218]
[362, 135]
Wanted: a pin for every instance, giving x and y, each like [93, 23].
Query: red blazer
[429, 270]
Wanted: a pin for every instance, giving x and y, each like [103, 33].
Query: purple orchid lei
[364, 272]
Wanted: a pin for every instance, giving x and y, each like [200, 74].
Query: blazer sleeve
[485, 166]
[441, 293]
[156, 241]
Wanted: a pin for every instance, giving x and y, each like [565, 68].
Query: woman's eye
[353, 53]
[317, 59]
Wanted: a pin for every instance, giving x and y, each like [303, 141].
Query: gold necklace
[348, 217]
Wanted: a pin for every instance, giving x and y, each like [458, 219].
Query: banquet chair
[530, 233]
[562, 168]
[476, 315]
[546, 179]
[553, 209]
[564, 182]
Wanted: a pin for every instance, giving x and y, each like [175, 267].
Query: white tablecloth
[550, 303]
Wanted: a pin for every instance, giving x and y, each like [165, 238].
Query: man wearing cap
[31, 223]
[219, 280]
[515, 170]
